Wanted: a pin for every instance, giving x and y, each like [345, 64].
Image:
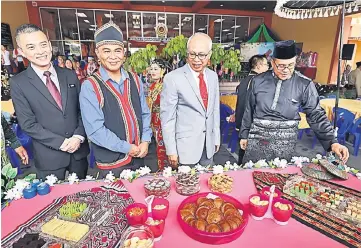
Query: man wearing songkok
[113, 106]
[270, 122]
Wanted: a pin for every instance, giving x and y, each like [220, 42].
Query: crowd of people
[104, 108]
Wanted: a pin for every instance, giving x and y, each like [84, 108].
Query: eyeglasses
[283, 67]
[201, 56]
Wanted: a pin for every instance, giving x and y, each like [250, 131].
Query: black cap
[285, 49]
[358, 64]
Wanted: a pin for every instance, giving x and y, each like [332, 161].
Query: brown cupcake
[188, 218]
[192, 222]
[208, 203]
[218, 202]
[213, 228]
[231, 212]
[201, 199]
[185, 212]
[200, 225]
[237, 220]
[232, 223]
[191, 206]
[224, 226]
[202, 212]
[226, 206]
[214, 216]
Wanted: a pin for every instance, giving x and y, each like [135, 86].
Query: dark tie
[53, 89]
[203, 90]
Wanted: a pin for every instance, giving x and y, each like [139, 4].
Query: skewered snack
[220, 183]
[158, 187]
[214, 216]
[187, 183]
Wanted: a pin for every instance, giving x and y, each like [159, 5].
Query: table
[352, 105]
[231, 100]
[258, 234]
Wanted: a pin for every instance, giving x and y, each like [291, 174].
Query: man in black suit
[258, 64]
[46, 101]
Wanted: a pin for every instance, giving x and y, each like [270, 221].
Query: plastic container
[282, 215]
[140, 232]
[160, 214]
[257, 210]
[264, 189]
[157, 230]
[134, 220]
[213, 238]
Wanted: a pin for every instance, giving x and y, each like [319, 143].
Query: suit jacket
[186, 124]
[40, 117]
[242, 89]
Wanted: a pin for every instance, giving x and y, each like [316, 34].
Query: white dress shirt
[196, 77]
[6, 57]
[54, 78]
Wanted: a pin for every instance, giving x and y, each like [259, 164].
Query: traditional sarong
[271, 139]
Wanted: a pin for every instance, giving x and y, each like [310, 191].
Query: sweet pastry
[200, 225]
[256, 200]
[159, 207]
[152, 222]
[65, 229]
[72, 210]
[158, 187]
[221, 183]
[285, 207]
[135, 242]
[136, 211]
[187, 183]
[213, 228]
[202, 212]
[212, 215]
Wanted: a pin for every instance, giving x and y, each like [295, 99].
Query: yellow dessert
[65, 229]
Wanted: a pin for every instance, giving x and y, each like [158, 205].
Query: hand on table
[22, 154]
[134, 150]
[243, 144]
[70, 145]
[341, 151]
[173, 160]
[143, 149]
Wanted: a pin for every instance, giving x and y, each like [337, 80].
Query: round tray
[333, 169]
[316, 171]
[213, 238]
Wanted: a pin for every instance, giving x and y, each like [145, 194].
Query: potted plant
[140, 60]
[176, 46]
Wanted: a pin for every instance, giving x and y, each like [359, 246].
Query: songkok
[109, 33]
[358, 64]
[285, 49]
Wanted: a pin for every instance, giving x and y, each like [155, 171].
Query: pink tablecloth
[258, 234]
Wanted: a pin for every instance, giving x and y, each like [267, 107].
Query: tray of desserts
[212, 218]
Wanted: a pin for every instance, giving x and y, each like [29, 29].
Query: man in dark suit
[258, 64]
[46, 101]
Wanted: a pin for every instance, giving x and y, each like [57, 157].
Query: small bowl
[282, 215]
[160, 214]
[257, 210]
[139, 232]
[157, 230]
[138, 219]
[264, 189]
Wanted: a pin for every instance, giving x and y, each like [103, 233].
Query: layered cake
[187, 183]
[158, 187]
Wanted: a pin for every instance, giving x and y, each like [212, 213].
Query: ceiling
[313, 4]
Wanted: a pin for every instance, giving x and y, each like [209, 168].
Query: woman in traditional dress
[157, 70]
[79, 72]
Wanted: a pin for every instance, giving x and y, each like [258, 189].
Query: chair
[91, 158]
[344, 123]
[234, 140]
[14, 159]
[24, 140]
[331, 96]
[356, 131]
[321, 97]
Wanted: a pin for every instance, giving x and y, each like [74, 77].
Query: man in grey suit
[189, 107]
[46, 101]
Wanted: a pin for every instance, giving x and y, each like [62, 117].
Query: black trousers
[240, 155]
[80, 167]
[136, 163]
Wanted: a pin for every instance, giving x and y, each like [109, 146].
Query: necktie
[203, 90]
[53, 89]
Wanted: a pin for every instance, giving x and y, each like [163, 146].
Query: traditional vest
[120, 111]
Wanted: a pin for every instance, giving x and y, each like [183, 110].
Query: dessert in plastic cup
[160, 208]
[137, 237]
[282, 210]
[266, 191]
[258, 205]
[136, 214]
[156, 226]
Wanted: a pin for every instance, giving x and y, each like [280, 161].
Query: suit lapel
[40, 86]
[188, 74]
[63, 87]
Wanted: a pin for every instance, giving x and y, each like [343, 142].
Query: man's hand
[143, 147]
[72, 145]
[134, 150]
[217, 148]
[64, 145]
[22, 154]
[173, 160]
[243, 144]
[232, 118]
[341, 151]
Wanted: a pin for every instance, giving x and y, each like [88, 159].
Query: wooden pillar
[211, 29]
